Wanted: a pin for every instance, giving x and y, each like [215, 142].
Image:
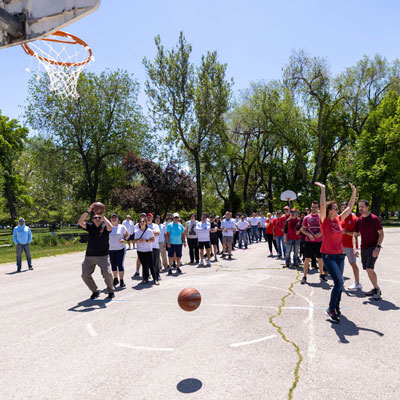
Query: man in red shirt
[279, 225]
[348, 225]
[292, 239]
[369, 226]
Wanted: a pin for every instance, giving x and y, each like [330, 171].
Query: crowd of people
[318, 235]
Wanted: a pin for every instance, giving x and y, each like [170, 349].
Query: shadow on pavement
[90, 305]
[321, 284]
[16, 272]
[349, 328]
[355, 293]
[383, 305]
[190, 385]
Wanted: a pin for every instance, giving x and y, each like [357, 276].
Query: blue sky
[255, 38]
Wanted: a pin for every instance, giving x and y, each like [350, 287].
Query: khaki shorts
[348, 251]
[227, 239]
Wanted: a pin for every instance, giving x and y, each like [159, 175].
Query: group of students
[319, 233]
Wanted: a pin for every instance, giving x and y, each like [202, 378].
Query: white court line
[252, 341]
[91, 331]
[388, 280]
[144, 348]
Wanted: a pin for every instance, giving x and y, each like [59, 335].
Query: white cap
[176, 215]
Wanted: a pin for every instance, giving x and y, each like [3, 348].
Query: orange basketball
[189, 299]
[98, 208]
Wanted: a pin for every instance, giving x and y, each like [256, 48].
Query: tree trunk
[10, 201]
[198, 186]
[376, 204]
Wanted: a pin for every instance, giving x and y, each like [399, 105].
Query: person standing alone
[22, 236]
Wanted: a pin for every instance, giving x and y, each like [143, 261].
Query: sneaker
[116, 281]
[229, 256]
[18, 269]
[332, 316]
[95, 295]
[323, 277]
[357, 285]
[157, 283]
[144, 281]
[215, 259]
[304, 280]
[370, 293]
[223, 255]
[208, 263]
[286, 266]
[111, 295]
[338, 313]
[169, 272]
[122, 283]
[201, 263]
[178, 271]
[136, 275]
[377, 295]
[31, 268]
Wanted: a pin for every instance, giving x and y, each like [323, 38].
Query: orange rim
[31, 52]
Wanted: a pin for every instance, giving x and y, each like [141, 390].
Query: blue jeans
[254, 229]
[26, 248]
[296, 247]
[280, 244]
[242, 236]
[261, 233]
[334, 263]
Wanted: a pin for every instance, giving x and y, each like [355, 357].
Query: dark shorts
[132, 237]
[312, 249]
[204, 245]
[214, 240]
[367, 261]
[175, 248]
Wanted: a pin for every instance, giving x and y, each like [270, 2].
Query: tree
[154, 188]
[12, 140]
[188, 102]
[96, 130]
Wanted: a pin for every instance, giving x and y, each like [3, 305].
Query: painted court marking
[127, 346]
[91, 331]
[252, 341]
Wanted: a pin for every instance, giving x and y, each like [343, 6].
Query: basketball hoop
[64, 57]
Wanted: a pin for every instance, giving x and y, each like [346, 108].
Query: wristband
[379, 246]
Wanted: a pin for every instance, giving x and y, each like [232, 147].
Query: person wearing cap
[118, 235]
[286, 210]
[292, 238]
[22, 236]
[156, 247]
[138, 263]
[130, 227]
[269, 229]
[175, 238]
[278, 234]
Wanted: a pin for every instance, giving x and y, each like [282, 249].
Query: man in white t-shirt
[130, 227]
[203, 239]
[137, 274]
[156, 249]
[261, 227]
[228, 228]
[255, 223]
[242, 226]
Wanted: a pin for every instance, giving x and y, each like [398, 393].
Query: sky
[255, 38]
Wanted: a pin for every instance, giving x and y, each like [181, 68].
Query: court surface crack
[280, 331]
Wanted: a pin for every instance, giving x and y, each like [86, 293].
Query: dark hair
[315, 202]
[345, 203]
[203, 215]
[192, 214]
[366, 202]
[329, 206]
[157, 216]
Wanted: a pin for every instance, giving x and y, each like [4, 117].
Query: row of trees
[200, 146]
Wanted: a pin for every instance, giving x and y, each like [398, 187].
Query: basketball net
[63, 56]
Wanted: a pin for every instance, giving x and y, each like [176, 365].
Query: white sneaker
[357, 285]
[201, 263]
[208, 263]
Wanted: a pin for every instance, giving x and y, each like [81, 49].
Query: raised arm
[322, 202]
[108, 224]
[352, 200]
[81, 221]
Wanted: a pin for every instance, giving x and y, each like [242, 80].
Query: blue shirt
[176, 230]
[22, 234]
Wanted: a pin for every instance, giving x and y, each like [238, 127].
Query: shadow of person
[354, 293]
[16, 272]
[321, 284]
[141, 286]
[189, 385]
[383, 305]
[90, 305]
[349, 328]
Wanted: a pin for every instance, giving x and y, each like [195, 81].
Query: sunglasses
[334, 208]
[293, 212]
[314, 207]
[96, 217]
[142, 221]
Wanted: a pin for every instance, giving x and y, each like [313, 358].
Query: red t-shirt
[368, 227]
[290, 228]
[311, 222]
[279, 224]
[270, 227]
[348, 225]
[332, 236]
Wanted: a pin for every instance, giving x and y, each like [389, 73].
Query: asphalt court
[258, 333]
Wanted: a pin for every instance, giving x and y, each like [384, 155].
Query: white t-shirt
[203, 231]
[191, 229]
[228, 224]
[242, 225]
[130, 226]
[262, 221]
[254, 221]
[163, 232]
[148, 234]
[154, 227]
[118, 232]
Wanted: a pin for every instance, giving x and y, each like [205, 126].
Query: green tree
[188, 102]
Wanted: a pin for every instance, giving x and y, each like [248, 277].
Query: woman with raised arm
[332, 246]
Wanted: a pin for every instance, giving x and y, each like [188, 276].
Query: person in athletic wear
[137, 274]
[219, 234]
[312, 229]
[214, 236]
[242, 226]
[203, 236]
[174, 239]
[118, 236]
[22, 236]
[292, 238]
[255, 223]
[269, 229]
[348, 226]
[144, 239]
[332, 246]
[279, 225]
[156, 247]
[97, 251]
[192, 240]
[228, 227]
[369, 226]
[130, 227]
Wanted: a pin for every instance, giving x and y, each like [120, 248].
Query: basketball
[189, 299]
[99, 208]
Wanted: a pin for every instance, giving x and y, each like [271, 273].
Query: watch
[379, 246]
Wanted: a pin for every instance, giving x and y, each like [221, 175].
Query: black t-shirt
[98, 244]
[213, 234]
